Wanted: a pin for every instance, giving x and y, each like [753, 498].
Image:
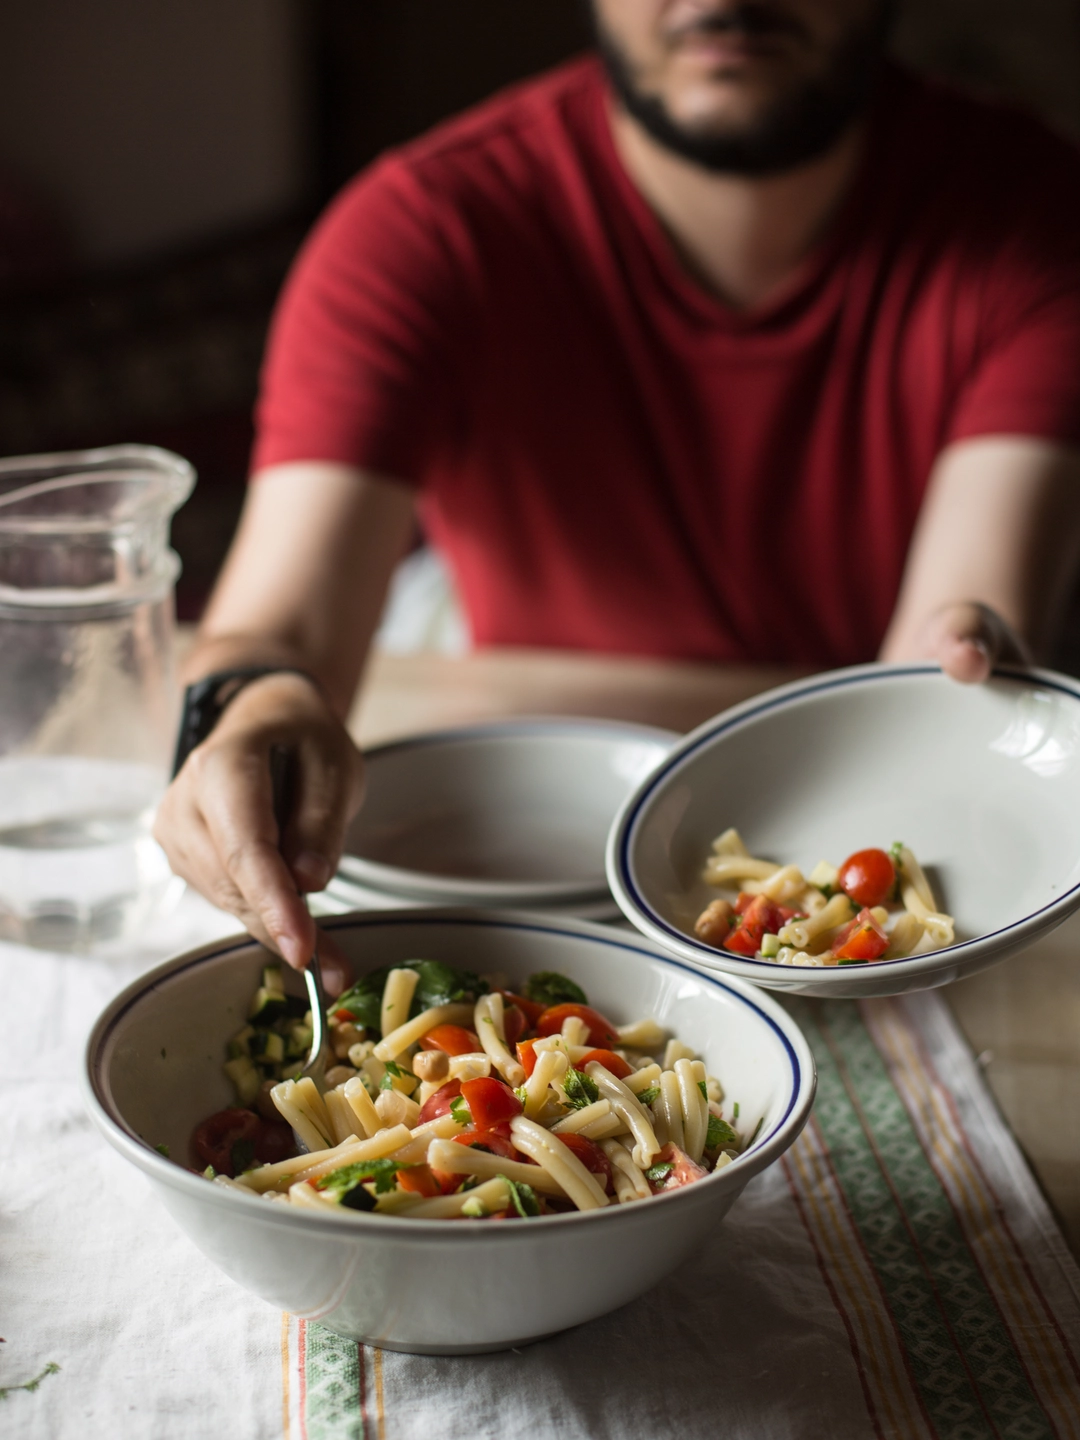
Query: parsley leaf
[459, 1109]
[524, 1197]
[548, 988]
[580, 1089]
[649, 1094]
[703, 1088]
[720, 1135]
[342, 1185]
[659, 1173]
[394, 1071]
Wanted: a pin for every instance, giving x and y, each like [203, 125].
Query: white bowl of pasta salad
[514, 1095]
[864, 832]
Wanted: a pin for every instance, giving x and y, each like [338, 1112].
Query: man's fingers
[337, 971]
[968, 639]
[237, 808]
[328, 793]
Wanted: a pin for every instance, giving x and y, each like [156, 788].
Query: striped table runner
[897, 1275]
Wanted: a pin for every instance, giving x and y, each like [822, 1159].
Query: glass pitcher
[88, 695]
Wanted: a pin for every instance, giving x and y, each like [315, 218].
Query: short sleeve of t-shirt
[360, 361]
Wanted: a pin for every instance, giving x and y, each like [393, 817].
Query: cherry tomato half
[684, 1171]
[529, 1008]
[592, 1157]
[490, 1101]
[492, 1140]
[760, 917]
[419, 1180]
[214, 1139]
[514, 1025]
[274, 1141]
[451, 1040]
[868, 877]
[861, 939]
[610, 1061]
[526, 1053]
[439, 1103]
[601, 1031]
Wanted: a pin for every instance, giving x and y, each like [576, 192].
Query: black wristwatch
[206, 699]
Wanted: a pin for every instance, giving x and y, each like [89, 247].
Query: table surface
[1022, 1018]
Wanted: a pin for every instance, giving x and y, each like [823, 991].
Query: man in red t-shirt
[733, 343]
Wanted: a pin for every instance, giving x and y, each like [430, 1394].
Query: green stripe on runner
[334, 1407]
[969, 1375]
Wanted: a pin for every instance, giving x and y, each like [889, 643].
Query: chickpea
[431, 1065]
[713, 925]
[344, 1036]
[337, 1075]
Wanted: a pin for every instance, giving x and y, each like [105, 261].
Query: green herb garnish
[346, 1186]
[657, 1174]
[459, 1109]
[547, 988]
[720, 1135]
[580, 1089]
[735, 1110]
[649, 1094]
[524, 1197]
[701, 1085]
[162, 1150]
[438, 984]
[394, 1071]
[31, 1385]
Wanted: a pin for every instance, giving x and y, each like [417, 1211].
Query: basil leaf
[649, 1094]
[580, 1089]
[524, 1197]
[720, 1135]
[339, 1183]
[548, 988]
[438, 984]
[659, 1173]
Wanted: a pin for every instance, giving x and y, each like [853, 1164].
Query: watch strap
[205, 701]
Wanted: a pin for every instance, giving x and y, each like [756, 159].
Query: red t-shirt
[613, 459]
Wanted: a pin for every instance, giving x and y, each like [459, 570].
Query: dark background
[160, 161]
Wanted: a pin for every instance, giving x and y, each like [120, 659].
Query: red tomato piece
[493, 1140]
[602, 1033]
[743, 901]
[214, 1139]
[610, 1061]
[529, 1008]
[868, 877]
[861, 939]
[345, 1016]
[419, 1180]
[684, 1171]
[490, 1101]
[761, 917]
[513, 1025]
[274, 1141]
[451, 1040]
[439, 1103]
[592, 1157]
[526, 1053]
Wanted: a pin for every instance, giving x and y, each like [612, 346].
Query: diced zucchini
[245, 1077]
[271, 979]
[267, 1006]
[267, 1047]
[824, 875]
[238, 1045]
[770, 946]
[298, 1040]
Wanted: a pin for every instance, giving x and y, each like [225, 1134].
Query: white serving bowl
[154, 1070]
[343, 895]
[513, 813]
[981, 781]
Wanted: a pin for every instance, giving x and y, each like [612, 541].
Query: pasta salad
[878, 905]
[458, 1098]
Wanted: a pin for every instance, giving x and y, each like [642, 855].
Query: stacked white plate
[508, 815]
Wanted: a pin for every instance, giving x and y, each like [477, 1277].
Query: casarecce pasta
[459, 1099]
[878, 905]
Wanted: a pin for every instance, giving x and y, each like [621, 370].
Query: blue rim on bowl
[889, 976]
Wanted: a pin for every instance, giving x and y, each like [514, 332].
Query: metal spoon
[321, 1057]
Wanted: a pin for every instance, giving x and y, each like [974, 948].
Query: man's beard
[802, 124]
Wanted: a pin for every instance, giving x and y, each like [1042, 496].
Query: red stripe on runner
[834, 1295]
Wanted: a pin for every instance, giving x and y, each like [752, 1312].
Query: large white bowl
[344, 895]
[982, 781]
[153, 1070]
[514, 813]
